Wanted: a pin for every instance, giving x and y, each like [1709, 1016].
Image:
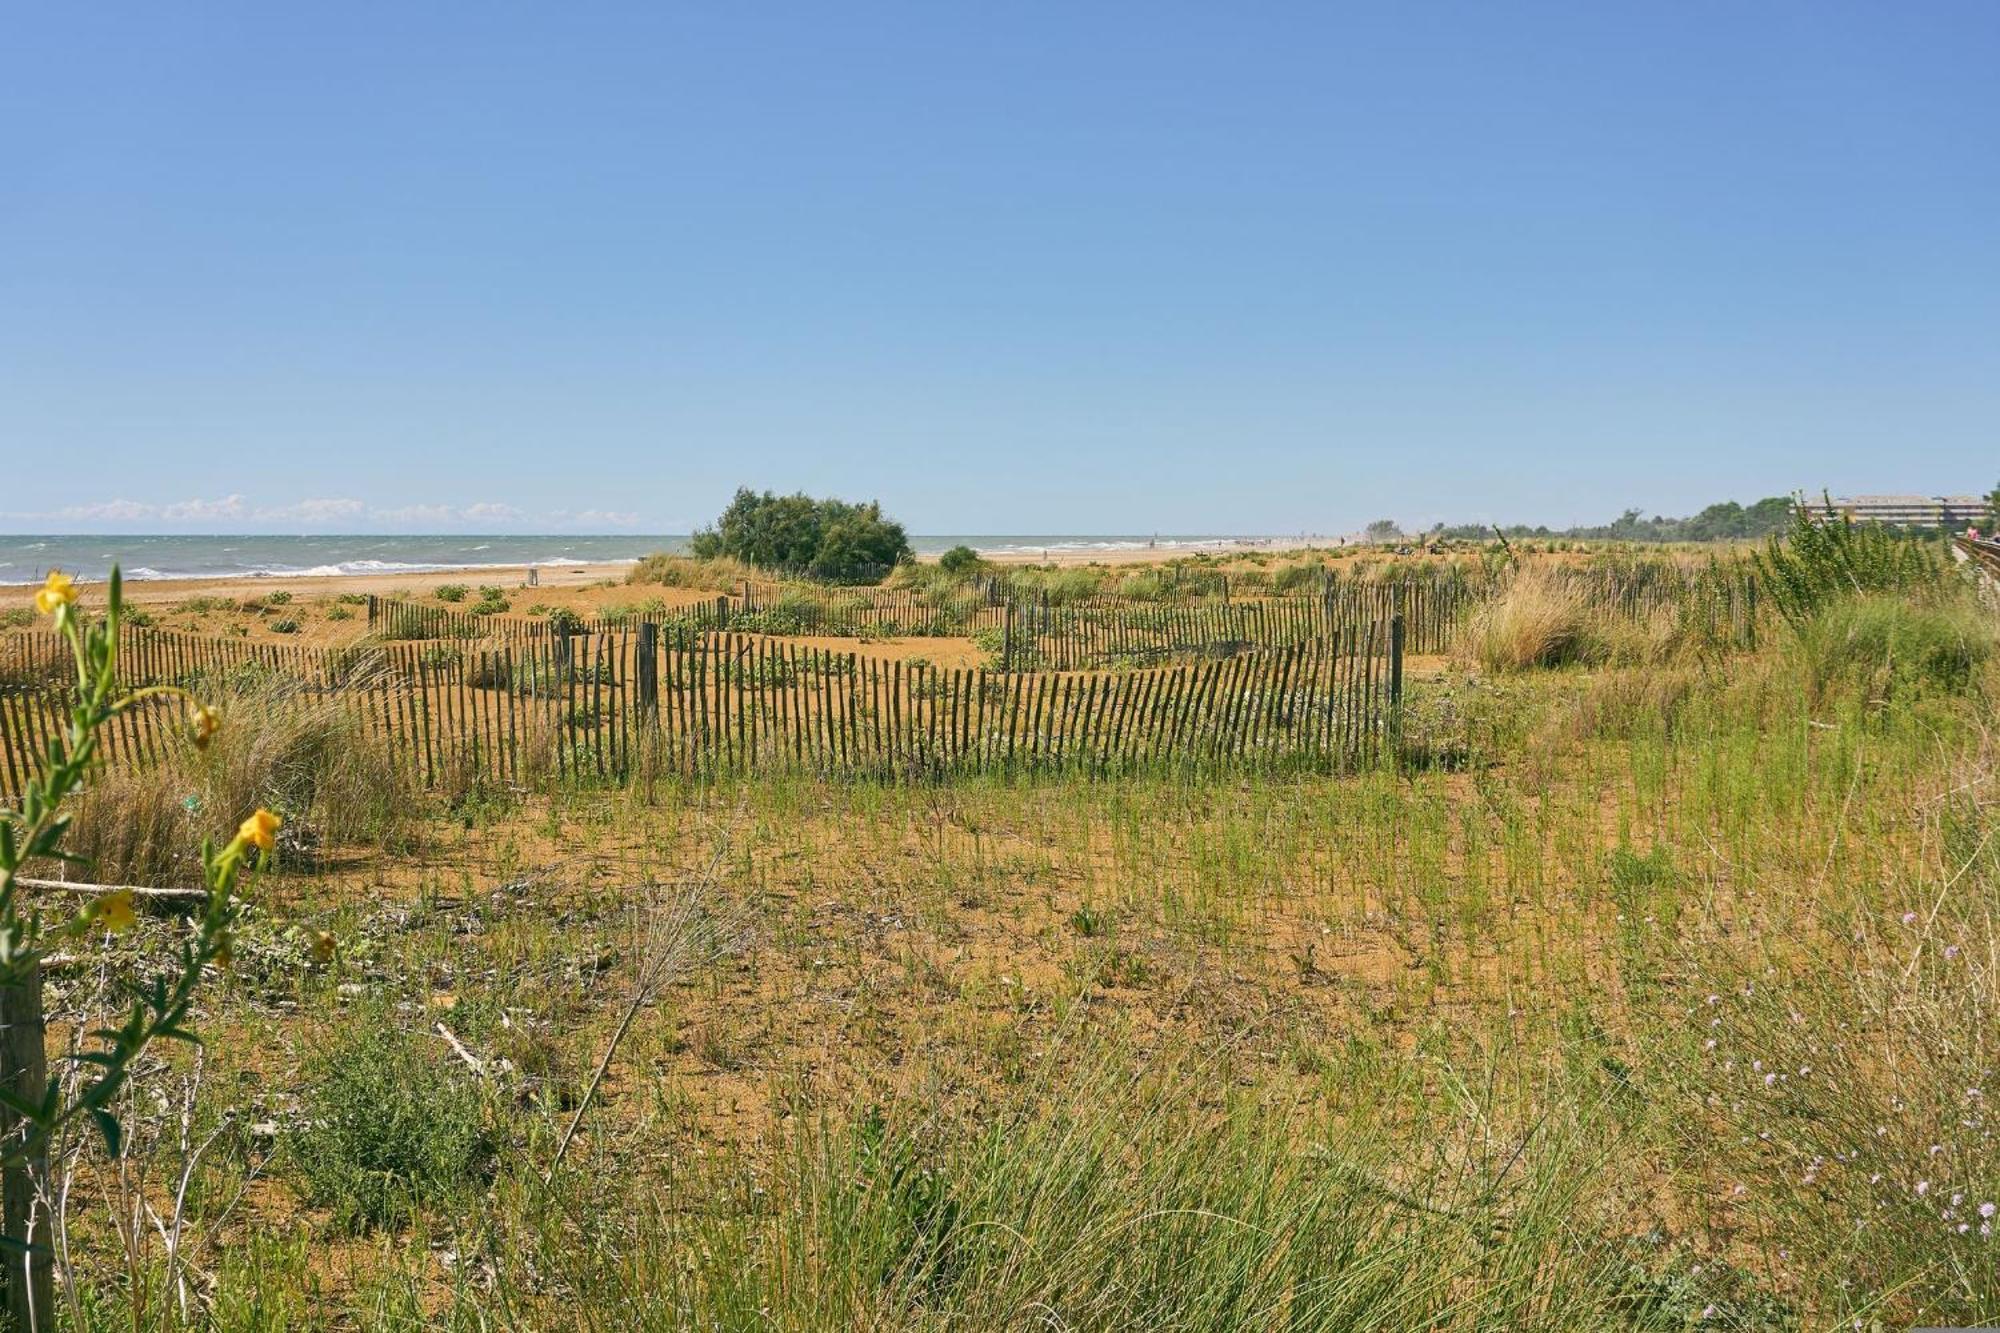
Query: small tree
[960, 560]
[1383, 530]
[1993, 512]
[828, 539]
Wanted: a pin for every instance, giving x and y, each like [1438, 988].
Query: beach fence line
[1091, 635]
[1020, 634]
[611, 706]
[1718, 601]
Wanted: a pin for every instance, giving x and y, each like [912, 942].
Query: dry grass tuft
[305, 757]
[1542, 620]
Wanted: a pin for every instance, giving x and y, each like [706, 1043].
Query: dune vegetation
[1647, 984]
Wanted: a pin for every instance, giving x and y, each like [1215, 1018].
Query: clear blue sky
[1011, 268]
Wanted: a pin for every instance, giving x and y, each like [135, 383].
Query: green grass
[1651, 1009]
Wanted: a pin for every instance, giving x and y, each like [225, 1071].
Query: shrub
[278, 598]
[1820, 560]
[285, 626]
[390, 1126]
[338, 612]
[960, 560]
[451, 592]
[1888, 647]
[828, 539]
[17, 616]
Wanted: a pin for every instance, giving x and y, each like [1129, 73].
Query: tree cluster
[796, 534]
[1719, 522]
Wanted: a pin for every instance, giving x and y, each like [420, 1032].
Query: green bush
[1890, 647]
[1820, 560]
[827, 539]
[390, 1126]
[451, 592]
[278, 598]
[285, 626]
[960, 560]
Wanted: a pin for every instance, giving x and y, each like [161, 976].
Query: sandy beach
[323, 609]
[556, 584]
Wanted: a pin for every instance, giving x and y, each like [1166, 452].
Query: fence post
[1396, 688]
[649, 671]
[1007, 640]
[30, 1274]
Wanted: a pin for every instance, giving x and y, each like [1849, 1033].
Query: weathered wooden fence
[1034, 634]
[606, 706]
[1093, 634]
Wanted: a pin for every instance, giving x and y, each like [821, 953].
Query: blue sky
[1022, 268]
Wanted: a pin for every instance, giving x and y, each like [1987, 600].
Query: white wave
[147, 574]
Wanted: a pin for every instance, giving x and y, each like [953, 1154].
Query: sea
[26, 559]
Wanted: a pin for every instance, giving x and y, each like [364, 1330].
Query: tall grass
[1543, 619]
[1103, 1197]
[713, 574]
[307, 758]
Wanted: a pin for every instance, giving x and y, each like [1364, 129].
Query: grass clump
[1542, 620]
[715, 574]
[450, 592]
[309, 760]
[389, 1127]
[1883, 646]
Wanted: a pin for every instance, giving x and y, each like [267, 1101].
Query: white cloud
[321, 511]
[229, 506]
[108, 511]
[415, 514]
[314, 511]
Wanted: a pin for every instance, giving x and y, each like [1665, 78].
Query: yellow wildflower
[322, 949]
[114, 911]
[260, 830]
[58, 590]
[206, 722]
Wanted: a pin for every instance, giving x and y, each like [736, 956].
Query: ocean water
[25, 559]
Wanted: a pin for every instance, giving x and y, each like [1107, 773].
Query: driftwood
[136, 890]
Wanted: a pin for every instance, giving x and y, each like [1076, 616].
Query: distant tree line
[1718, 522]
[796, 534]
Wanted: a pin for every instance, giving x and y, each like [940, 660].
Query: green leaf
[113, 1132]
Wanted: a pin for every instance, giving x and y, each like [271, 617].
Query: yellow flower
[113, 911]
[58, 590]
[322, 949]
[206, 722]
[260, 830]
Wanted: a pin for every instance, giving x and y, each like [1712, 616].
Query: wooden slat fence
[607, 707]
